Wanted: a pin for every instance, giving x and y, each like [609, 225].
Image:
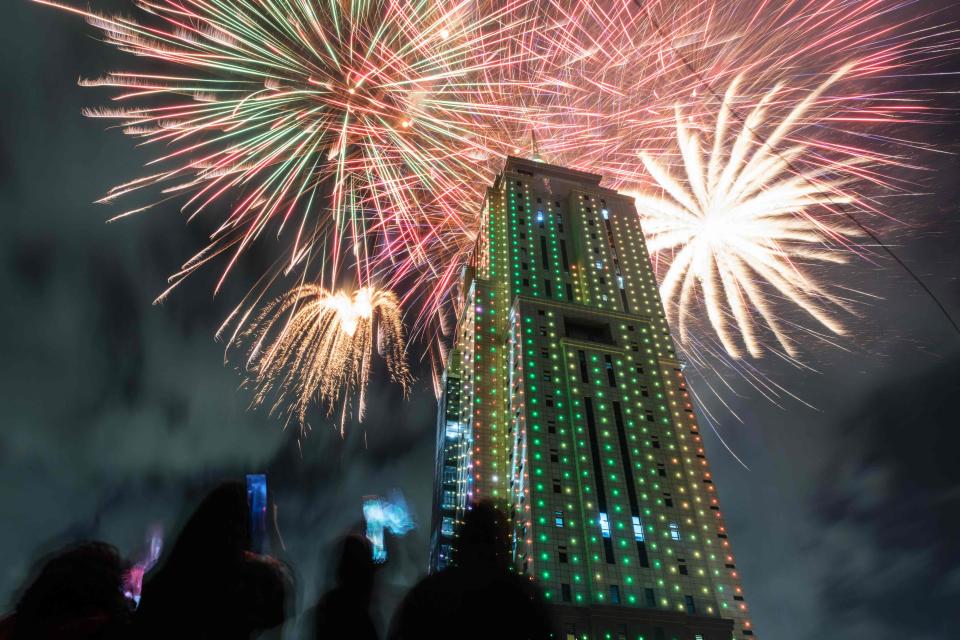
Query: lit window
[558, 518]
[453, 429]
[449, 499]
[446, 526]
[604, 525]
[637, 529]
[674, 531]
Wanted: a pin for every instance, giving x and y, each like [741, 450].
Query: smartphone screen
[257, 502]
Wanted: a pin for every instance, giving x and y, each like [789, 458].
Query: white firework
[743, 223]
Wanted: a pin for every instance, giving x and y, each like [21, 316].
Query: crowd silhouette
[211, 585]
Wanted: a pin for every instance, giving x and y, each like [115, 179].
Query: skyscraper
[564, 401]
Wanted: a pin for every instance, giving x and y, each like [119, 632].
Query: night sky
[117, 414]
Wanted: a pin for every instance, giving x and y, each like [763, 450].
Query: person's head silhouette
[484, 539]
[77, 594]
[355, 566]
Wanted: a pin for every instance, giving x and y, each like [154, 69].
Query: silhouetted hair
[211, 585]
[344, 610]
[217, 531]
[355, 566]
[480, 595]
[78, 593]
[484, 538]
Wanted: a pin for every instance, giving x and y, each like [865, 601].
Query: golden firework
[313, 345]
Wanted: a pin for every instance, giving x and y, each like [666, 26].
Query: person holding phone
[213, 583]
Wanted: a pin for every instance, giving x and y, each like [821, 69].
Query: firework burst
[364, 132]
[345, 125]
[311, 345]
[738, 220]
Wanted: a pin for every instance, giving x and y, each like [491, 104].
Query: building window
[556, 486]
[682, 569]
[449, 474]
[565, 596]
[446, 526]
[558, 518]
[691, 608]
[449, 499]
[611, 377]
[637, 529]
[674, 531]
[614, 594]
[642, 553]
[604, 525]
[583, 366]
[452, 429]
[650, 598]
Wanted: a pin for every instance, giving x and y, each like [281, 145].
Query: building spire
[535, 146]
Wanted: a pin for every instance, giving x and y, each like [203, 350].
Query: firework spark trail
[285, 105]
[741, 227]
[366, 134]
[737, 220]
[311, 345]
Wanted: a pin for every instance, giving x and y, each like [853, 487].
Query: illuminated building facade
[565, 402]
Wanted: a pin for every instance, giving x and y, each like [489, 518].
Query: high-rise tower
[564, 401]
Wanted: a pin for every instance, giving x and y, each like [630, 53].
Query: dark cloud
[891, 501]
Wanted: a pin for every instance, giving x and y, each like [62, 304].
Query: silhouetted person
[344, 611]
[78, 594]
[211, 585]
[480, 596]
